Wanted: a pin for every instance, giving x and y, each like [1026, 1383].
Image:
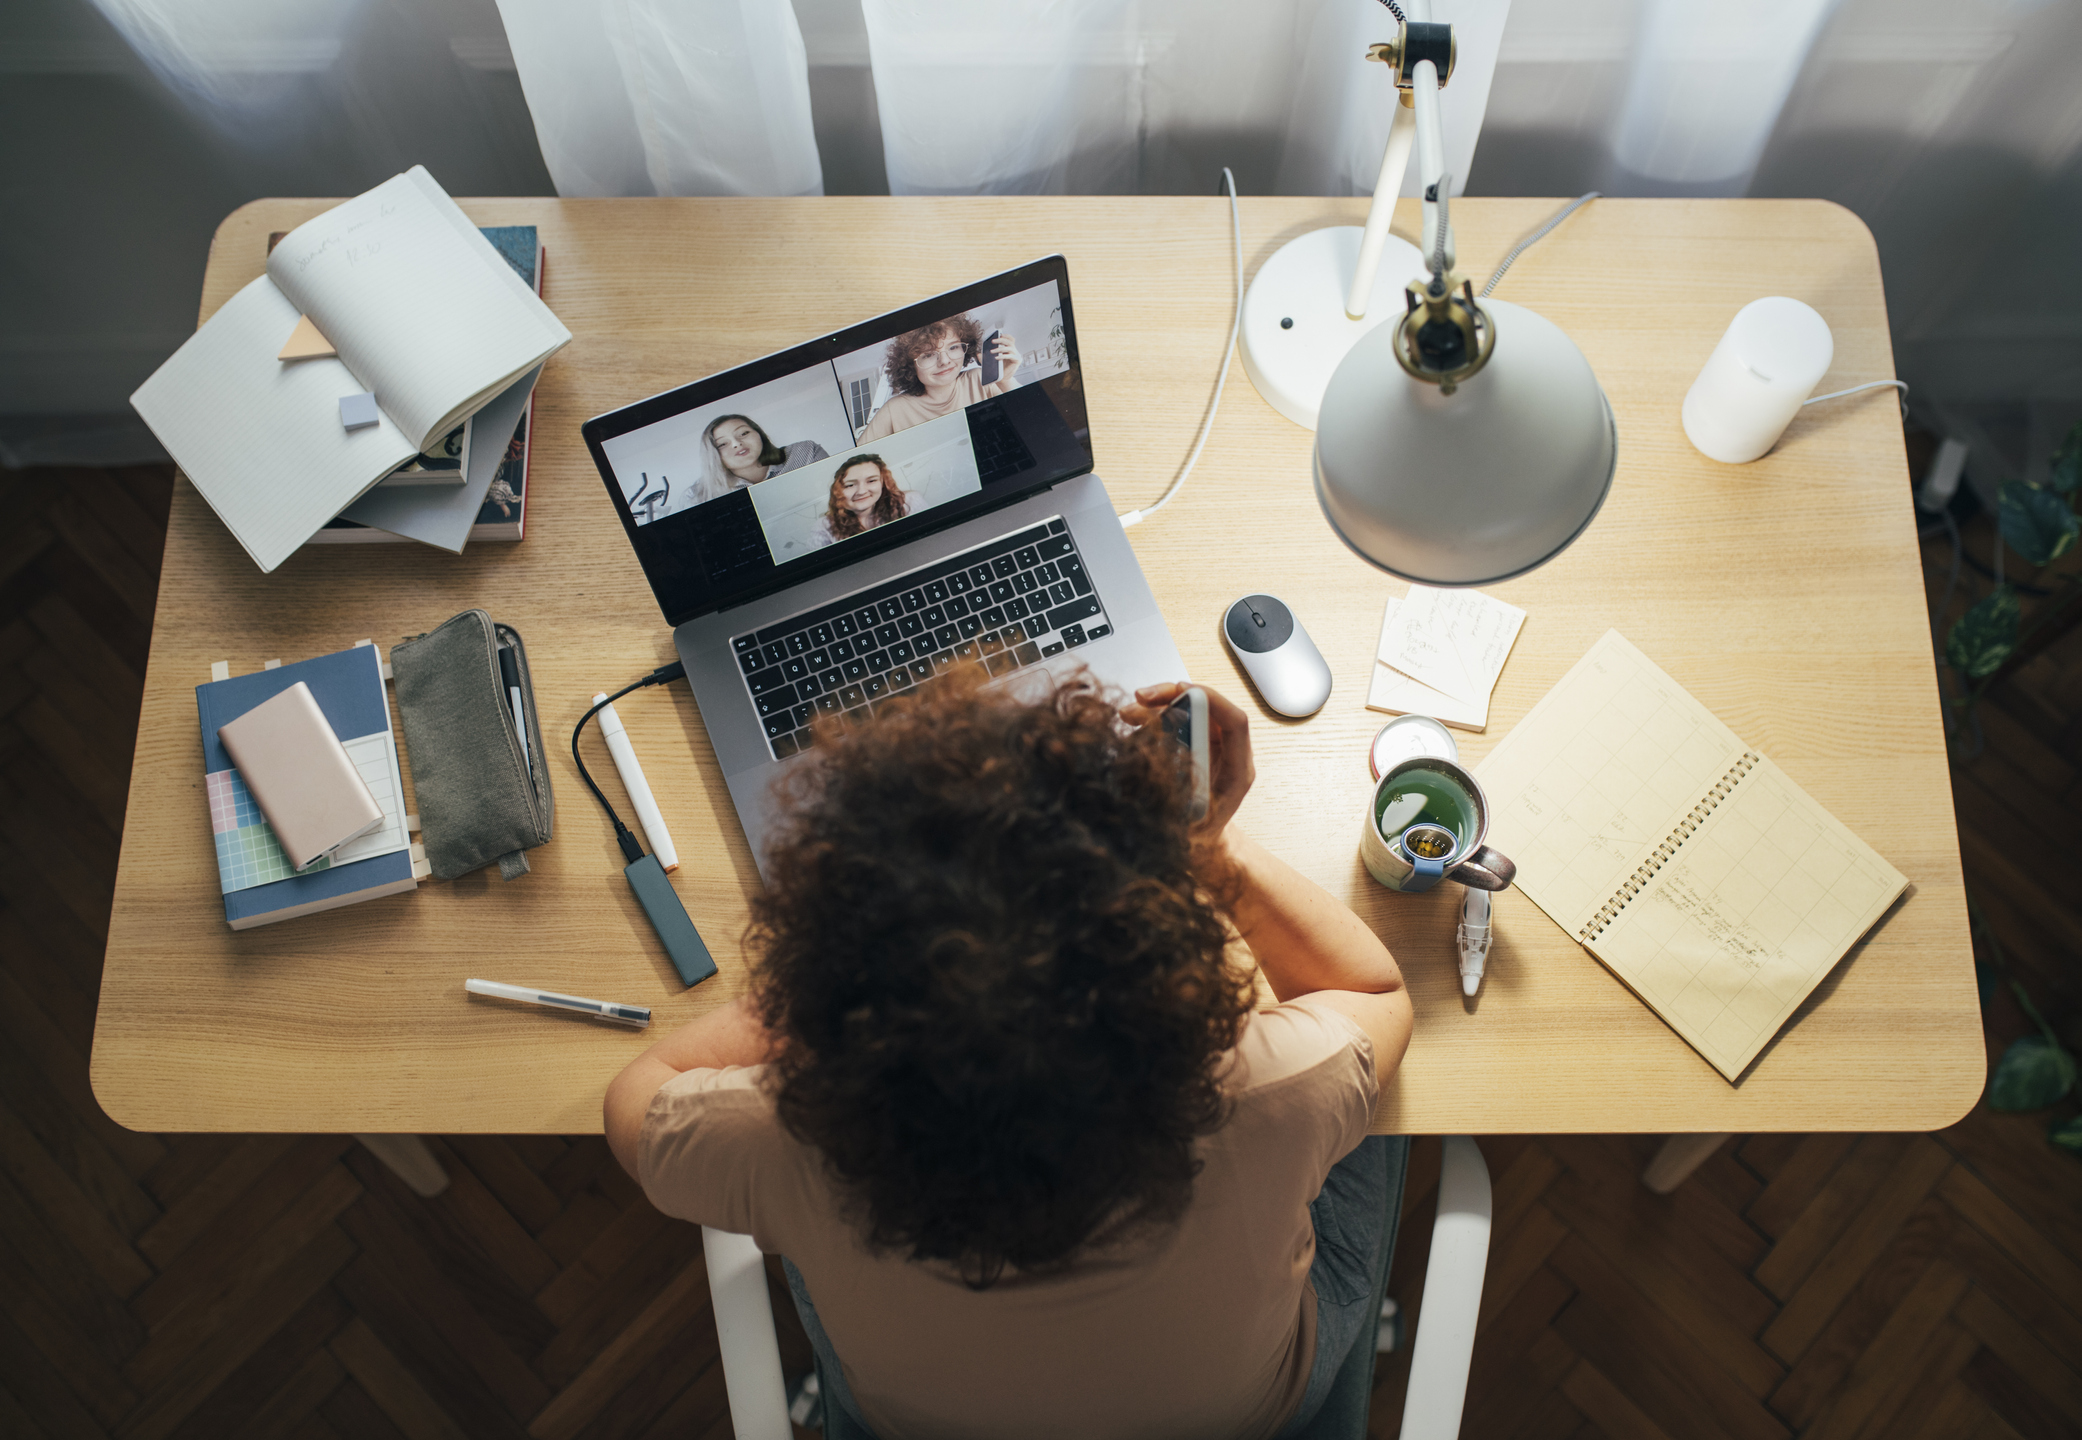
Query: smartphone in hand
[1186, 722]
[988, 358]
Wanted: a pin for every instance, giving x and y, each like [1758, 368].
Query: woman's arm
[1305, 941]
[732, 1035]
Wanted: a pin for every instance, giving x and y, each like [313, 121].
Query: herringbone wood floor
[250, 1286]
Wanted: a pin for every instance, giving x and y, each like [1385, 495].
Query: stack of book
[395, 295]
[263, 873]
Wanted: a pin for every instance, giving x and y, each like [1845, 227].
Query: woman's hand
[1007, 351]
[1230, 769]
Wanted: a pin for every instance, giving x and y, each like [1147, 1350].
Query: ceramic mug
[1425, 823]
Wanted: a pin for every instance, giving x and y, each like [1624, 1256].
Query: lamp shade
[1475, 486]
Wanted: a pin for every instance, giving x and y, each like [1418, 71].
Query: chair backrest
[745, 1337]
[1452, 1296]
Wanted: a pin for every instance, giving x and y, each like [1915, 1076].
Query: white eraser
[357, 410]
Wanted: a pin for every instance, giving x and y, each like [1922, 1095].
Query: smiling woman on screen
[930, 375]
[735, 452]
[863, 495]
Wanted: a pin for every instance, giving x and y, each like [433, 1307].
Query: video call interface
[831, 453]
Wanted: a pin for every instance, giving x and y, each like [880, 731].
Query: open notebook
[1689, 864]
[422, 311]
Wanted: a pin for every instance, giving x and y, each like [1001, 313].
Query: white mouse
[1277, 654]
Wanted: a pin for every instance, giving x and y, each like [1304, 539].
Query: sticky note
[1398, 694]
[357, 411]
[1455, 641]
[305, 343]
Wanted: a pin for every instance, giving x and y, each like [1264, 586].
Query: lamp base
[1303, 284]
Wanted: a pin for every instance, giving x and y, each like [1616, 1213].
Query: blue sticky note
[357, 411]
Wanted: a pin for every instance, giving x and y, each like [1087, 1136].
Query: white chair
[1445, 1340]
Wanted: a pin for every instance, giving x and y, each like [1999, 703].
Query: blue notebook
[259, 885]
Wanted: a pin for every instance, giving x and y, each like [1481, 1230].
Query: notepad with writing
[1691, 866]
[423, 313]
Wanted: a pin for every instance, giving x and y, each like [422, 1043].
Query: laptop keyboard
[1005, 604]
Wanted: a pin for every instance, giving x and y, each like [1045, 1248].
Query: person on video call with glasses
[735, 452]
[931, 373]
[863, 495]
[1000, 1093]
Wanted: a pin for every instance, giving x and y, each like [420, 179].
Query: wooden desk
[1784, 594]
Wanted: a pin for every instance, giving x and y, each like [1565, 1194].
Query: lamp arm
[1431, 164]
[1395, 163]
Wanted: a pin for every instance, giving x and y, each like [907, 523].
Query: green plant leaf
[2067, 1134]
[2037, 523]
[2032, 1074]
[2067, 463]
[1984, 636]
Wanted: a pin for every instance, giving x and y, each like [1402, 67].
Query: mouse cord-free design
[663, 675]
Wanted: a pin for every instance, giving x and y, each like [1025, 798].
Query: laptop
[830, 526]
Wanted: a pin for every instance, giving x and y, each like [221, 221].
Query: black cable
[1395, 10]
[663, 675]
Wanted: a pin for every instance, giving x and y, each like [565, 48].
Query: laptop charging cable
[1136, 517]
[683, 944]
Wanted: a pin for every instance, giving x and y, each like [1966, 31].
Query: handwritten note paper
[1455, 641]
[1398, 694]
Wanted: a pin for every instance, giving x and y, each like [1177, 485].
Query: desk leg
[409, 1160]
[1679, 1157]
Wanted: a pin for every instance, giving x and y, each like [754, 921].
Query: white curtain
[1705, 88]
[1953, 128]
[667, 97]
[1025, 97]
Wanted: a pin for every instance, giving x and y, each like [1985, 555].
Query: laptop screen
[808, 459]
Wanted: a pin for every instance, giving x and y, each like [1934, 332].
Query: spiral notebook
[1714, 887]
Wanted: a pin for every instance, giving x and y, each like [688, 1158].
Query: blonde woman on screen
[863, 495]
[735, 452]
[930, 375]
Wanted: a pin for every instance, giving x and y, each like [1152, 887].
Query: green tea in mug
[1422, 796]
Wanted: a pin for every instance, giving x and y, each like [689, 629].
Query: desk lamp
[1464, 440]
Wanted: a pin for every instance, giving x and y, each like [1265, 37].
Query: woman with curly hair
[929, 374]
[1001, 1095]
[863, 495]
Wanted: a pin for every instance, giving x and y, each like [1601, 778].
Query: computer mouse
[1277, 654]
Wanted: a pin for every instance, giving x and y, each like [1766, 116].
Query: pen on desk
[639, 789]
[636, 1015]
[510, 673]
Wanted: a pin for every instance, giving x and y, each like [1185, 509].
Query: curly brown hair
[993, 952]
[893, 504]
[901, 360]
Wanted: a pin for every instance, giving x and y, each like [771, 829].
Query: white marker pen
[637, 1015]
[639, 788]
[1472, 938]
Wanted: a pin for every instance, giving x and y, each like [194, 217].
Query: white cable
[1529, 241]
[1136, 517]
[1868, 385]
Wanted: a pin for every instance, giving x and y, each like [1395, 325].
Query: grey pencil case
[479, 797]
